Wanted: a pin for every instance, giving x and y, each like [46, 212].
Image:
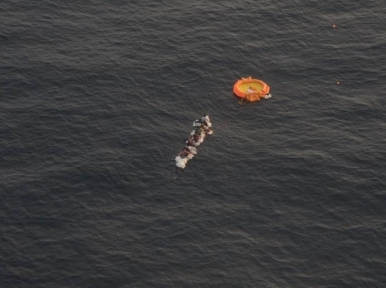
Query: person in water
[191, 149]
[196, 137]
[199, 131]
[182, 154]
[185, 152]
[205, 128]
[189, 142]
[242, 101]
[205, 119]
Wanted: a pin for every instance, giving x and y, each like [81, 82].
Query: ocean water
[98, 97]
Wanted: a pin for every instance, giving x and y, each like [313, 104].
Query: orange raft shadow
[250, 89]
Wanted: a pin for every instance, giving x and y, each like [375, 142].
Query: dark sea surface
[97, 98]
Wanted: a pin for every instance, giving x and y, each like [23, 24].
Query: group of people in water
[196, 137]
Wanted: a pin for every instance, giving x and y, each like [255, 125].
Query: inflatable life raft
[251, 89]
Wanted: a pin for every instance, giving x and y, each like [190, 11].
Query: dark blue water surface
[97, 98]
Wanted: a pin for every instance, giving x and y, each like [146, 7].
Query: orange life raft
[250, 89]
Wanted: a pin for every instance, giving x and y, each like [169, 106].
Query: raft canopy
[250, 89]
